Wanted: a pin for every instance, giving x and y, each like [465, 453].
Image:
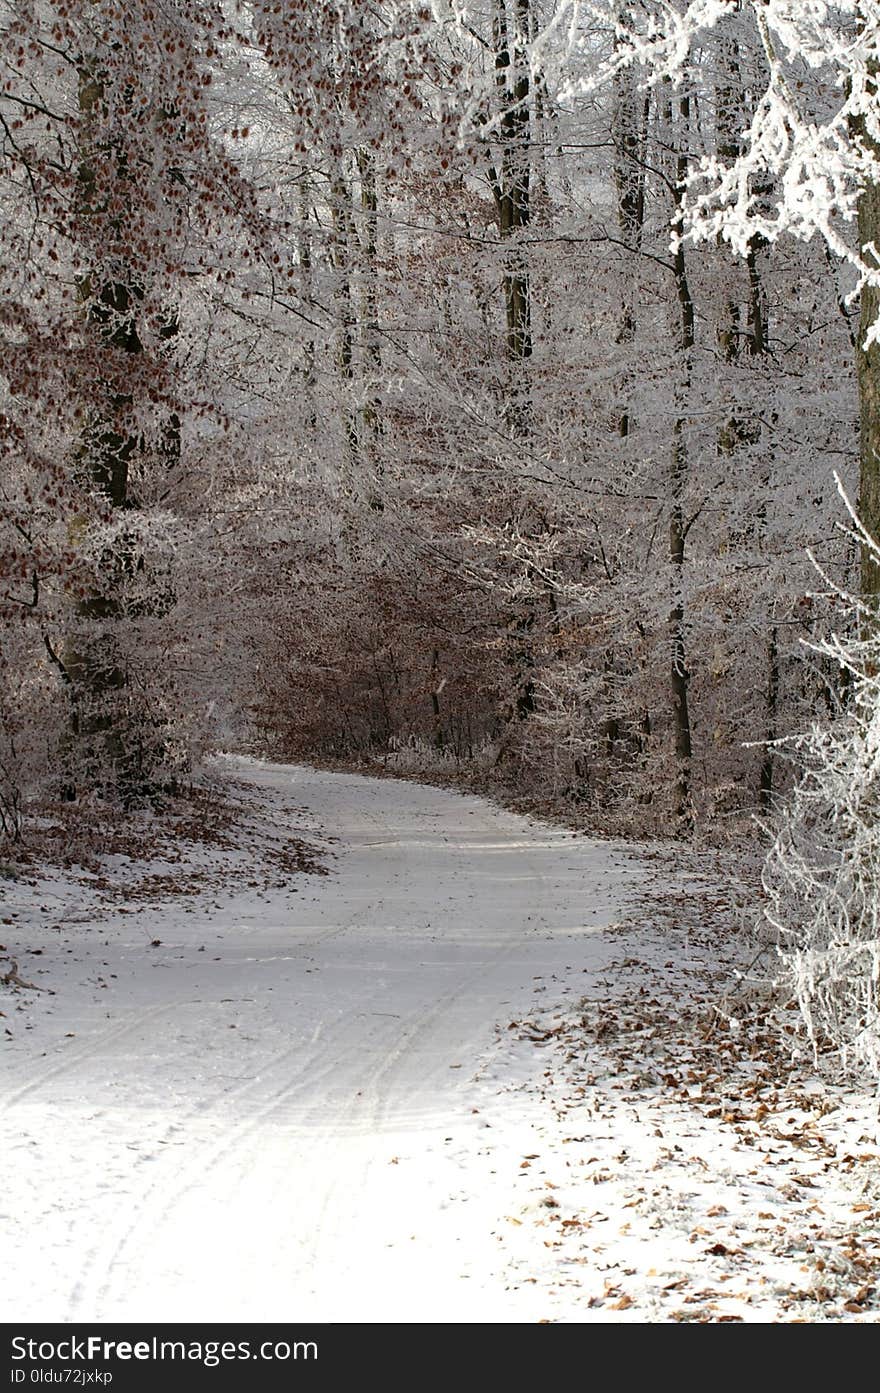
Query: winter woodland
[489, 389]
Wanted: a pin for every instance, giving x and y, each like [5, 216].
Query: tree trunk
[343, 232]
[745, 332]
[436, 688]
[304, 253]
[372, 355]
[511, 187]
[766, 780]
[679, 671]
[629, 134]
[103, 752]
[868, 366]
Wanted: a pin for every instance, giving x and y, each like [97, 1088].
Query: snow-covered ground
[404, 1090]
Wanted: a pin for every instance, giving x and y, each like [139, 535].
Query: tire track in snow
[423, 911]
[408, 1038]
[76, 1055]
[157, 1207]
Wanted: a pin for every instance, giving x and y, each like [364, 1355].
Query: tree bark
[512, 186]
[340, 256]
[868, 368]
[372, 355]
[679, 670]
[102, 753]
[629, 134]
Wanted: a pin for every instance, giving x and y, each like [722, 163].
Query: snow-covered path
[288, 1108]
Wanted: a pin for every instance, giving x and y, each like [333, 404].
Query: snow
[379, 1094]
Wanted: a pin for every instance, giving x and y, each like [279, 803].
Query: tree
[353, 392]
[822, 872]
[113, 185]
[552, 515]
[822, 164]
[821, 157]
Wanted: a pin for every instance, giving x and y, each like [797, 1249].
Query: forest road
[291, 1107]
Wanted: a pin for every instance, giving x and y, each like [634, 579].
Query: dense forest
[485, 389]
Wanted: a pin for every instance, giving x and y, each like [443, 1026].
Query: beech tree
[114, 188]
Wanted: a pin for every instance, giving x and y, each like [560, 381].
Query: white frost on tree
[817, 162]
[822, 873]
[806, 163]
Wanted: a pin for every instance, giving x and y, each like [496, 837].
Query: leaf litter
[705, 1167]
